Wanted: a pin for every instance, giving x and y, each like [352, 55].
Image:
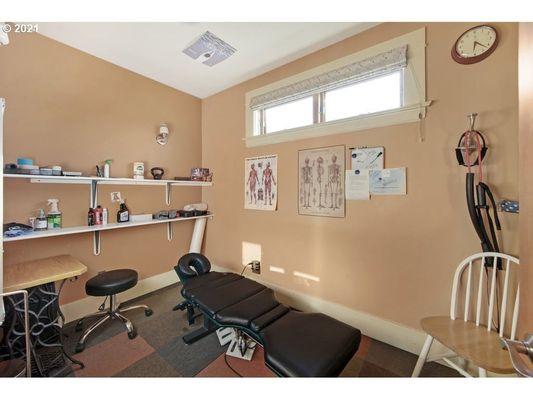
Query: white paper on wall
[388, 181]
[368, 158]
[357, 184]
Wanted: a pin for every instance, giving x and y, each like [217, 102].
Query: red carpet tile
[112, 355]
[255, 368]
[364, 346]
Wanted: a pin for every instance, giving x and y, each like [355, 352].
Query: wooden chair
[475, 340]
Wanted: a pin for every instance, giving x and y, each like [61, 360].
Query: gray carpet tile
[164, 328]
[103, 332]
[153, 366]
[188, 360]
[160, 301]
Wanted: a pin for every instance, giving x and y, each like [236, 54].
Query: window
[289, 115]
[380, 86]
[374, 95]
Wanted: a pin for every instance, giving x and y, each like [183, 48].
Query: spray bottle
[54, 215]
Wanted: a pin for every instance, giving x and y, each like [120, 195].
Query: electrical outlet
[256, 267]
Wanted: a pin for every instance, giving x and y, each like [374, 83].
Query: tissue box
[140, 217]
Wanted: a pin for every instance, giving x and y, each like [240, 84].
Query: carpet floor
[159, 351]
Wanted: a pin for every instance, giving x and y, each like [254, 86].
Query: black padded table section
[309, 344]
[212, 299]
[267, 318]
[212, 279]
[243, 312]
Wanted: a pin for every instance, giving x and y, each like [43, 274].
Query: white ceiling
[155, 49]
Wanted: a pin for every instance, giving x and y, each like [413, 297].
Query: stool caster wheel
[148, 312]
[80, 347]
[79, 326]
[132, 334]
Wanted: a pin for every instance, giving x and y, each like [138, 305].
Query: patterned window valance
[380, 64]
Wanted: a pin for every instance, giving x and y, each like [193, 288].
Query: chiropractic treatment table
[295, 343]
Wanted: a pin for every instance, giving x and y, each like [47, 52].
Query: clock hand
[476, 42]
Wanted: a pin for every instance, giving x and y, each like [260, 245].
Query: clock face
[475, 44]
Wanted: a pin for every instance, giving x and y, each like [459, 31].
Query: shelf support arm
[168, 192]
[94, 193]
[96, 243]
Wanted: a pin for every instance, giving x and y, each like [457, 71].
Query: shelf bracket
[96, 243]
[170, 233]
[168, 191]
[94, 193]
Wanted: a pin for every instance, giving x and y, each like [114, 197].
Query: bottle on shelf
[98, 215]
[41, 223]
[90, 217]
[54, 218]
[123, 214]
[105, 216]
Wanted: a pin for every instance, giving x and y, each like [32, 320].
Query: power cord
[230, 367]
[246, 266]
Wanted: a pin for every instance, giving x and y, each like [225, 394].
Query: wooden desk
[38, 272]
[46, 319]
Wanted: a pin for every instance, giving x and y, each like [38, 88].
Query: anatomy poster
[260, 183]
[321, 181]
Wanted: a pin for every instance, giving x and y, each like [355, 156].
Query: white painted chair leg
[423, 356]
[482, 372]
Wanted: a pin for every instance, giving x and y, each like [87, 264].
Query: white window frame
[414, 95]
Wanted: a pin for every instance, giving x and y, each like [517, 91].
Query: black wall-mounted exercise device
[470, 152]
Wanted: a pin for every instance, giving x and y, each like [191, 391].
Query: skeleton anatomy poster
[321, 181]
[260, 183]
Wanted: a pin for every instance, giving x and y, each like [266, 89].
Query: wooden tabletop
[38, 272]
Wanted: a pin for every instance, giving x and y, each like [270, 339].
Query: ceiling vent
[209, 49]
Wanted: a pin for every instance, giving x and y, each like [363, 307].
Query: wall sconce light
[162, 137]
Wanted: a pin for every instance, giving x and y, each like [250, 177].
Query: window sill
[368, 121]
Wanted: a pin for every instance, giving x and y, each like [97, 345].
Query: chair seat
[469, 341]
[112, 282]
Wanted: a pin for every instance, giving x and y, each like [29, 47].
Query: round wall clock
[475, 44]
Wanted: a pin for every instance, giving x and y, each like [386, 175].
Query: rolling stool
[109, 284]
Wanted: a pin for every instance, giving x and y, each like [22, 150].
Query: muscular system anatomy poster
[321, 181]
[261, 183]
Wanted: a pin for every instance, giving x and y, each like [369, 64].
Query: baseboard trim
[88, 305]
[390, 332]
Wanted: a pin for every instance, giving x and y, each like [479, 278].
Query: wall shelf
[96, 229]
[94, 181]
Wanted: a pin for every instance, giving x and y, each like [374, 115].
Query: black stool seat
[108, 283]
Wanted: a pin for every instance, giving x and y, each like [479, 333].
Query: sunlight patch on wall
[307, 277]
[278, 270]
[250, 252]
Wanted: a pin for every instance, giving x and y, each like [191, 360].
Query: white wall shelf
[96, 229]
[94, 181]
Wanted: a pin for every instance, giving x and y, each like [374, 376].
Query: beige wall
[67, 107]
[392, 257]
[526, 166]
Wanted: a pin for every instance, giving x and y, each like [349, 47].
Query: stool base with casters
[109, 284]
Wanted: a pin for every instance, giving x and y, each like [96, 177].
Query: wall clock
[475, 44]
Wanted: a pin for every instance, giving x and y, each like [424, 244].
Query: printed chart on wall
[321, 181]
[260, 183]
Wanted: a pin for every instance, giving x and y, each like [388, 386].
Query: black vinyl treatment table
[295, 343]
